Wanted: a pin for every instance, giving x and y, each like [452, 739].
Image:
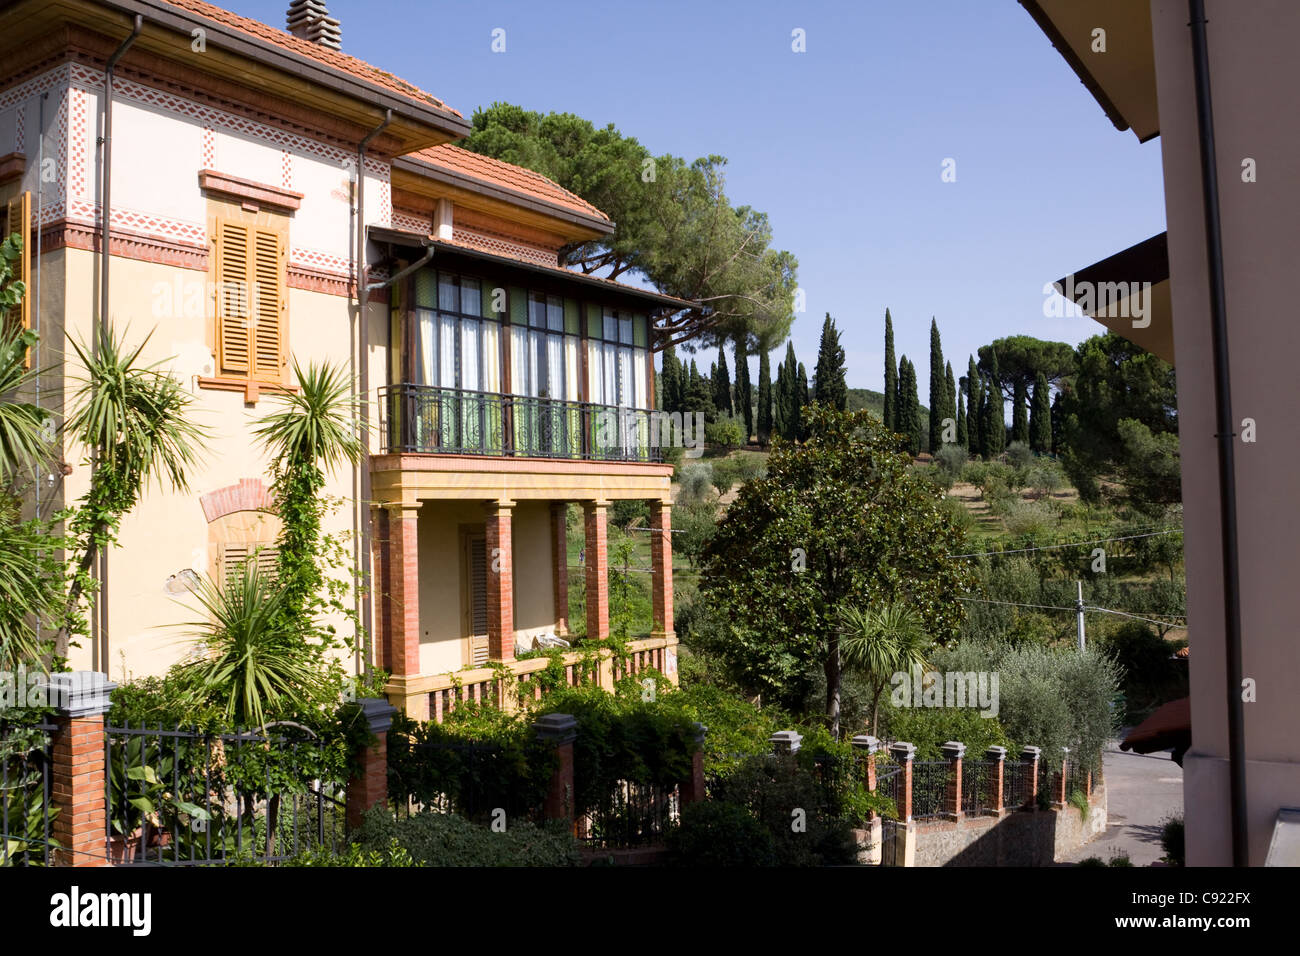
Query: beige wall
[1254, 74]
[168, 531]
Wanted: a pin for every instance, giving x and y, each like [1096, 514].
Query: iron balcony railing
[424, 419]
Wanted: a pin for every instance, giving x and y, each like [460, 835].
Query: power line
[1075, 544]
[1089, 607]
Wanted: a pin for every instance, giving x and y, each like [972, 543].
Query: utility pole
[1078, 608]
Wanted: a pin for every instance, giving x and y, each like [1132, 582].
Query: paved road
[1142, 790]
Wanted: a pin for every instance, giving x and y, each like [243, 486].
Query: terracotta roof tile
[322, 54]
[507, 175]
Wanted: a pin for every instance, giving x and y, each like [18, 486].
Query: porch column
[500, 582]
[597, 565]
[560, 565]
[382, 585]
[400, 606]
[661, 568]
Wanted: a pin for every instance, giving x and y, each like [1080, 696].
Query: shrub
[1151, 674]
[1028, 519]
[724, 433]
[1045, 477]
[629, 512]
[1019, 455]
[695, 523]
[1173, 840]
[735, 726]
[951, 459]
[750, 466]
[958, 514]
[717, 833]
[929, 728]
[694, 481]
[724, 475]
[436, 839]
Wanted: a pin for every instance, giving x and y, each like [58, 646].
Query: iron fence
[184, 797]
[630, 815]
[26, 814]
[978, 786]
[1017, 781]
[929, 788]
[425, 419]
[477, 781]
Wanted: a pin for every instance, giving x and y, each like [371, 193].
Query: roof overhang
[1128, 293]
[235, 56]
[423, 178]
[543, 278]
[1170, 727]
[1121, 75]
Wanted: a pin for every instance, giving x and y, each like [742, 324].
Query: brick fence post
[691, 789]
[998, 757]
[905, 830]
[368, 787]
[953, 752]
[1059, 781]
[77, 788]
[867, 747]
[560, 730]
[1030, 757]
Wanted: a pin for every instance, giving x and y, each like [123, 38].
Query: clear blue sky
[841, 145]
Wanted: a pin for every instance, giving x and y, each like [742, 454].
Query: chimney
[310, 20]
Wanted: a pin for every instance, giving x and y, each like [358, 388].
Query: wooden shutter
[18, 219]
[235, 556]
[478, 641]
[251, 301]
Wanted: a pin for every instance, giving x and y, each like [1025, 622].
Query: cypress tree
[992, 424]
[743, 395]
[802, 400]
[764, 398]
[1040, 417]
[1058, 423]
[1019, 414]
[911, 409]
[979, 434]
[950, 408]
[938, 389]
[973, 406]
[787, 397]
[963, 431]
[998, 436]
[670, 399]
[722, 384]
[829, 384]
[891, 377]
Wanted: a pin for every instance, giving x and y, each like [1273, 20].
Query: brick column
[500, 582]
[1030, 757]
[560, 565]
[998, 757]
[867, 746]
[401, 642]
[904, 831]
[560, 730]
[77, 788]
[661, 568]
[953, 752]
[368, 787]
[382, 587]
[597, 563]
[691, 789]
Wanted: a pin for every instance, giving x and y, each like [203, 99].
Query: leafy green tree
[722, 384]
[1020, 358]
[880, 642]
[674, 223]
[310, 435]
[938, 389]
[764, 398]
[1040, 417]
[1019, 414]
[891, 376]
[829, 385]
[135, 423]
[839, 521]
[744, 394]
[1119, 418]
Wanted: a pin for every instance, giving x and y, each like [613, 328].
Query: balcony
[423, 419]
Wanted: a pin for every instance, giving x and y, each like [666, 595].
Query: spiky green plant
[879, 642]
[134, 422]
[312, 433]
[252, 660]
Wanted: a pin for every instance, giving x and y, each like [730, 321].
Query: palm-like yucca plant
[23, 442]
[135, 421]
[311, 433]
[880, 642]
[253, 658]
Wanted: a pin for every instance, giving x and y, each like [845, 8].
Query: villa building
[251, 199]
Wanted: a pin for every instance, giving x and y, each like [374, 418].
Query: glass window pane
[555, 313]
[611, 326]
[448, 299]
[446, 351]
[426, 347]
[470, 295]
[625, 329]
[536, 310]
[426, 294]
[471, 351]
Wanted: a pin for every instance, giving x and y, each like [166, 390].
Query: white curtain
[555, 386]
[471, 350]
[571, 367]
[447, 352]
[639, 396]
[626, 393]
[426, 347]
[492, 356]
[519, 379]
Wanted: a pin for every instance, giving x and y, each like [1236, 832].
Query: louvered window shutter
[251, 301]
[478, 601]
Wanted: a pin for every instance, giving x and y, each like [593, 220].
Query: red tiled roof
[507, 175]
[315, 51]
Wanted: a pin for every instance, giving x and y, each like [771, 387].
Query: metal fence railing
[476, 781]
[978, 786]
[182, 797]
[631, 815]
[929, 788]
[1017, 783]
[26, 814]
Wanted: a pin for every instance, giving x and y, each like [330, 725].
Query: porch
[473, 567]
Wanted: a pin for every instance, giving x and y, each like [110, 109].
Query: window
[234, 557]
[474, 568]
[18, 219]
[456, 341]
[618, 361]
[252, 304]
